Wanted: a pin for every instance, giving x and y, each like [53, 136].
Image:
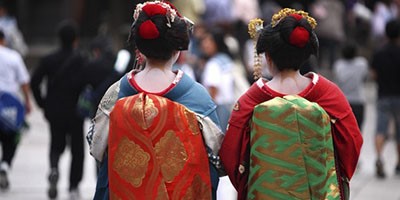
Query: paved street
[364, 185]
[28, 177]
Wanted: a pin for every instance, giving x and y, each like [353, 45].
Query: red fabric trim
[278, 94]
[135, 85]
[148, 30]
[299, 37]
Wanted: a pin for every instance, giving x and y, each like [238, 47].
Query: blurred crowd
[339, 22]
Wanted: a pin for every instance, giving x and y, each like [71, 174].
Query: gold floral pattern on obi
[131, 162]
[171, 155]
[198, 190]
[162, 193]
[144, 107]
[193, 123]
[114, 196]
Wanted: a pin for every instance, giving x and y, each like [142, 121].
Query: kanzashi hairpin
[276, 18]
[254, 28]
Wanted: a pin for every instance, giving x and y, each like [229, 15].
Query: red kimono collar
[261, 83]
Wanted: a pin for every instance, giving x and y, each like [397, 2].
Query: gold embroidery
[163, 116]
[333, 191]
[192, 121]
[150, 111]
[131, 162]
[114, 196]
[171, 155]
[162, 193]
[145, 108]
[178, 116]
[137, 111]
[198, 190]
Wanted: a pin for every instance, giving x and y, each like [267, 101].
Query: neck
[156, 64]
[287, 74]
[160, 72]
[289, 82]
[156, 76]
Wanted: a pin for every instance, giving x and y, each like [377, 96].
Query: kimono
[185, 92]
[347, 139]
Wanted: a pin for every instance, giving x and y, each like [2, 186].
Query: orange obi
[156, 151]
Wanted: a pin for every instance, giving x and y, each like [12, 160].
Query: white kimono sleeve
[97, 136]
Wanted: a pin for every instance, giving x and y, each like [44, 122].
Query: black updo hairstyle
[275, 42]
[173, 38]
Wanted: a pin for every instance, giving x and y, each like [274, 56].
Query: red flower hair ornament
[299, 36]
[148, 30]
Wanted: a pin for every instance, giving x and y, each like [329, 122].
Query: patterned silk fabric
[156, 151]
[291, 153]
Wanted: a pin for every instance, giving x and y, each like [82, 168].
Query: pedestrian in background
[217, 76]
[386, 69]
[14, 37]
[137, 149]
[383, 12]
[59, 102]
[95, 74]
[331, 34]
[350, 74]
[13, 77]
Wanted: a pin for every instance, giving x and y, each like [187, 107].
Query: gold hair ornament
[276, 18]
[254, 28]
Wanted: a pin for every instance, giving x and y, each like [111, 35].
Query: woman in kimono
[287, 43]
[145, 133]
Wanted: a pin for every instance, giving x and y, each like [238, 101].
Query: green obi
[291, 152]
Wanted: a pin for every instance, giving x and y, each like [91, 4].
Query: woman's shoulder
[193, 95]
[322, 84]
[187, 88]
[200, 90]
[329, 96]
[321, 88]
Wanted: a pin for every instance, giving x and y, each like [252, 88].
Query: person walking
[13, 77]
[293, 128]
[60, 69]
[350, 74]
[385, 69]
[145, 133]
[218, 77]
[96, 76]
[14, 37]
